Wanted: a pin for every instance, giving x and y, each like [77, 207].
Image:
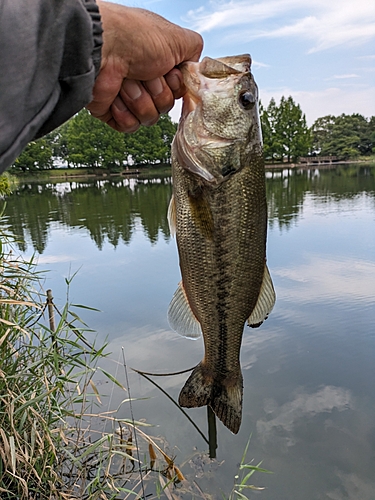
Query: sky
[320, 52]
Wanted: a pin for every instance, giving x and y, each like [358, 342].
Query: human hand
[138, 79]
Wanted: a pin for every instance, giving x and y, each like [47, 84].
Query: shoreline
[83, 173]
[316, 164]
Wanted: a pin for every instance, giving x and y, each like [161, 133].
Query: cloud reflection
[304, 405]
[355, 488]
[320, 278]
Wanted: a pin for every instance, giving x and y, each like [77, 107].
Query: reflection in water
[287, 189]
[319, 279]
[110, 210]
[308, 371]
[282, 420]
[353, 488]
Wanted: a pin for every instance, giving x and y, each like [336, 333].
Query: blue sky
[321, 52]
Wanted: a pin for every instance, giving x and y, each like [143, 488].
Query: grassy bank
[63, 174]
[50, 447]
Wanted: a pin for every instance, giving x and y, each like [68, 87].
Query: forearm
[47, 62]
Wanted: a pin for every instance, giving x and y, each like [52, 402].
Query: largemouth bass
[219, 214]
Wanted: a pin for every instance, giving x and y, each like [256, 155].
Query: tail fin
[224, 395]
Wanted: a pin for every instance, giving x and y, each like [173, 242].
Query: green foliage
[84, 141]
[150, 145]
[36, 156]
[285, 132]
[344, 136]
[246, 471]
[271, 143]
[5, 185]
[90, 142]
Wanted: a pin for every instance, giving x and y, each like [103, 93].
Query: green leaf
[112, 378]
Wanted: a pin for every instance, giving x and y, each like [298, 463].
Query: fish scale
[220, 223]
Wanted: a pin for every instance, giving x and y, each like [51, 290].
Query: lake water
[309, 370]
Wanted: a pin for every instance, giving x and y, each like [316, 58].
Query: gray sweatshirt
[49, 57]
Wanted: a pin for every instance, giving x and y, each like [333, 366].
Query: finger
[139, 102]
[175, 82]
[160, 93]
[122, 118]
[193, 46]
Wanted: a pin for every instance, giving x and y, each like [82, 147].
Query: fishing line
[162, 374]
[133, 422]
[173, 401]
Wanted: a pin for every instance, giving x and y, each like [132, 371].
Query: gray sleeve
[49, 57]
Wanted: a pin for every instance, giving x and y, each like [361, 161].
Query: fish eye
[247, 100]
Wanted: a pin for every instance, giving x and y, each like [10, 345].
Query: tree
[268, 120]
[285, 132]
[344, 136]
[87, 141]
[58, 142]
[321, 132]
[291, 130]
[152, 144]
[90, 142]
[371, 126]
[36, 156]
[168, 131]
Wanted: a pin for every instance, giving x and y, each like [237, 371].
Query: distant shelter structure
[317, 160]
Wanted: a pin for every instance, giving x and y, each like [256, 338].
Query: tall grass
[50, 447]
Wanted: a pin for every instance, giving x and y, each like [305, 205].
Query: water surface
[309, 370]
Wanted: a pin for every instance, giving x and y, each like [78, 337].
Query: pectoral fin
[265, 303]
[180, 316]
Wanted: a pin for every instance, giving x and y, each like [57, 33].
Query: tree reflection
[112, 210]
[108, 210]
[287, 189]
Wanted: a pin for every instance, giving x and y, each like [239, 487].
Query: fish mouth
[204, 75]
[195, 139]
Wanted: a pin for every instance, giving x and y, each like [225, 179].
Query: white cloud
[326, 24]
[175, 112]
[343, 77]
[257, 65]
[235, 13]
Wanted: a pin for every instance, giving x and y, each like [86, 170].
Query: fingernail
[119, 103]
[155, 86]
[174, 82]
[132, 88]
